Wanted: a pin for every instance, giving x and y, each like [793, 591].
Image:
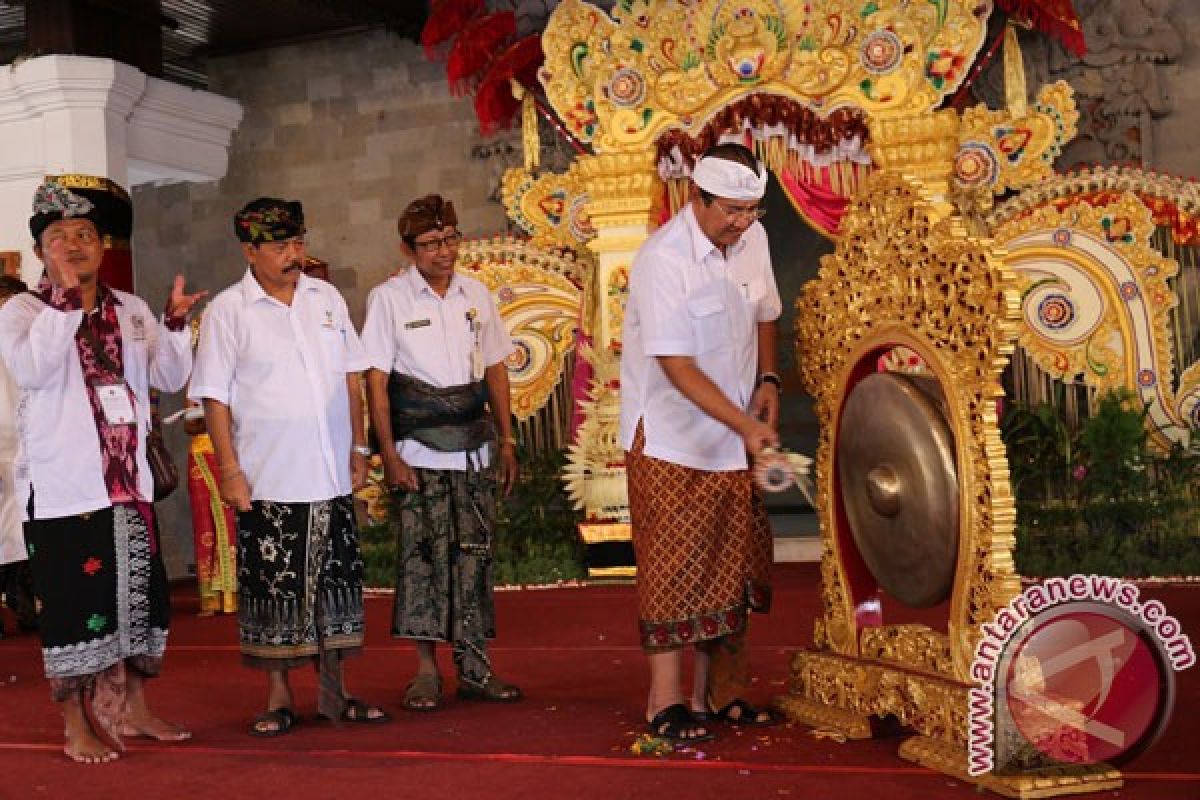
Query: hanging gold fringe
[842, 177]
[549, 430]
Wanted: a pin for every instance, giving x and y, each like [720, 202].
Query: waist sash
[448, 419]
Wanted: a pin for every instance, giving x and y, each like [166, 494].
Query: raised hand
[180, 304]
[58, 266]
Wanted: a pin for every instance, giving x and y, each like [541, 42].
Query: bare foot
[152, 727]
[84, 747]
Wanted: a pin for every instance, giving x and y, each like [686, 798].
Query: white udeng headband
[729, 179]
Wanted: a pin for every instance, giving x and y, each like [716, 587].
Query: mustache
[294, 266]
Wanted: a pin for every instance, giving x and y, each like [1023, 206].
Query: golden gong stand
[911, 478]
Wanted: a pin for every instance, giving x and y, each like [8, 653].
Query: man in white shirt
[699, 392]
[278, 371]
[437, 347]
[16, 581]
[85, 356]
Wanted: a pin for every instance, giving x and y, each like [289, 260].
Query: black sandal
[746, 714]
[673, 723]
[359, 713]
[493, 690]
[284, 719]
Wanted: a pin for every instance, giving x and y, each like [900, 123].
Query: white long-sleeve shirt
[62, 459]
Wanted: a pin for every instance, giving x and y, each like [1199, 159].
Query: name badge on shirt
[138, 328]
[115, 402]
[328, 321]
[417, 323]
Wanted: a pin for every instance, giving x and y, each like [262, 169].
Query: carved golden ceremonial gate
[843, 96]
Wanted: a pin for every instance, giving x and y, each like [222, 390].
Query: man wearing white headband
[699, 397]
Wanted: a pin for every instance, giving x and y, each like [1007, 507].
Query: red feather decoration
[495, 105]
[476, 46]
[1055, 18]
[446, 18]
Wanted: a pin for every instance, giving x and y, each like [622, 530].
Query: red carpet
[575, 653]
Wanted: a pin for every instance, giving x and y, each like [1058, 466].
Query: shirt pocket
[754, 293]
[710, 320]
[333, 343]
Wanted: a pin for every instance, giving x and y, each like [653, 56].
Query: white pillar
[62, 114]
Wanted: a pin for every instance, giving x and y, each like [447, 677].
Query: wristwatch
[773, 379]
[362, 450]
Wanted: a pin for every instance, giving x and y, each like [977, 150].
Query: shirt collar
[253, 291]
[421, 286]
[702, 246]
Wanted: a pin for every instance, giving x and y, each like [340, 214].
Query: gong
[899, 485]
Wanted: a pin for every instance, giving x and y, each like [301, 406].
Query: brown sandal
[424, 693]
[493, 690]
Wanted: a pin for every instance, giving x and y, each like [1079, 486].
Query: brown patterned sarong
[703, 548]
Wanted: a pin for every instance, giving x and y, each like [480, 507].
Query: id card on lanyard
[114, 395]
[476, 328]
[117, 403]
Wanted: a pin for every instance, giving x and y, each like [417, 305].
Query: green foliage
[1097, 499]
[536, 538]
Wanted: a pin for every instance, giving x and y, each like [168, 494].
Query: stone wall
[1173, 148]
[353, 126]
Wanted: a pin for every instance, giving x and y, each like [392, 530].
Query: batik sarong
[214, 531]
[299, 582]
[444, 564]
[103, 589]
[703, 549]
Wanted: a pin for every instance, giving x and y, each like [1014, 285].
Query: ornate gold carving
[824, 717]
[552, 208]
[1053, 782]
[919, 146]
[621, 81]
[539, 297]
[1183, 193]
[1096, 301]
[931, 705]
[1000, 150]
[912, 646]
[625, 202]
[901, 276]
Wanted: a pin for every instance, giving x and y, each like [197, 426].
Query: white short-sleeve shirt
[688, 299]
[412, 330]
[282, 371]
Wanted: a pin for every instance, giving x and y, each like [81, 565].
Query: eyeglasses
[753, 213]
[433, 245]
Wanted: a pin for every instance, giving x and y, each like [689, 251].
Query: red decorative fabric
[1056, 18]
[446, 18]
[118, 443]
[476, 46]
[495, 105]
[820, 206]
